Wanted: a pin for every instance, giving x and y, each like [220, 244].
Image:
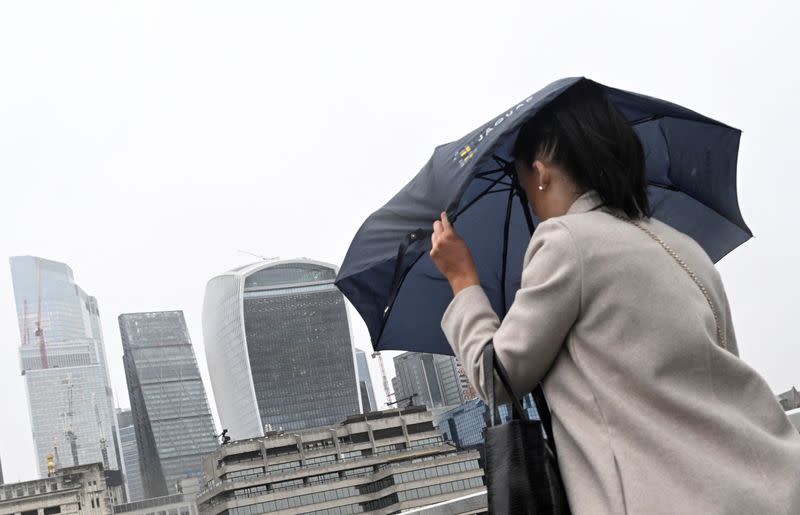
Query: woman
[625, 322]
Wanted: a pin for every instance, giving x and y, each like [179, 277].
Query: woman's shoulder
[602, 229]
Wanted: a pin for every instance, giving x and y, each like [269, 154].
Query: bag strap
[720, 333]
[491, 364]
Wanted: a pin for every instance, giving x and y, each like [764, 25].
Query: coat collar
[587, 202]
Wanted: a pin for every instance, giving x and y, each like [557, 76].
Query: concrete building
[432, 379]
[85, 489]
[790, 399]
[279, 348]
[63, 361]
[130, 456]
[471, 504]
[382, 462]
[176, 504]
[368, 401]
[171, 417]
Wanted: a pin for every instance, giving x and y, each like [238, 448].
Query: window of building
[419, 428]
[275, 467]
[359, 438]
[52, 510]
[391, 432]
[320, 459]
[282, 451]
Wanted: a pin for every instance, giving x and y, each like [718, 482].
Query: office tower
[464, 425]
[64, 365]
[279, 348]
[383, 462]
[368, 401]
[1, 473]
[171, 417]
[429, 379]
[130, 455]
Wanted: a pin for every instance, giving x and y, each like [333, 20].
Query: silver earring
[541, 188]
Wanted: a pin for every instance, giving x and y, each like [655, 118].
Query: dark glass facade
[130, 455]
[171, 417]
[432, 379]
[368, 401]
[299, 347]
[465, 424]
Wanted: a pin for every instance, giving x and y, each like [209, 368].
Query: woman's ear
[542, 175]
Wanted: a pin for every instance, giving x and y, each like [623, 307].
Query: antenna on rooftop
[259, 256]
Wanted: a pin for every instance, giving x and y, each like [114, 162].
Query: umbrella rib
[662, 185]
[492, 180]
[646, 119]
[480, 196]
[490, 172]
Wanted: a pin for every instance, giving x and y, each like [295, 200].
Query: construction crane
[72, 438]
[103, 446]
[386, 386]
[39, 331]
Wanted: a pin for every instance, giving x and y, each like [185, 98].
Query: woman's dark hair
[583, 132]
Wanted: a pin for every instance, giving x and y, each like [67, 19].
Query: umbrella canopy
[390, 279]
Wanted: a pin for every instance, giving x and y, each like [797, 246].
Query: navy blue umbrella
[390, 279]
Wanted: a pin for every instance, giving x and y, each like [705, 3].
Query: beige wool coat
[650, 415]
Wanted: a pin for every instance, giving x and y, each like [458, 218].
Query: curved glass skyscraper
[279, 348]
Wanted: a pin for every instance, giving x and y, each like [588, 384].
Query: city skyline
[80, 344]
[145, 144]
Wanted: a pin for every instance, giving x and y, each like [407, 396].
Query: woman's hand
[452, 257]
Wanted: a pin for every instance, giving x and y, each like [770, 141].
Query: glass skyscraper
[171, 417]
[431, 379]
[365, 382]
[130, 455]
[64, 364]
[279, 348]
[464, 425]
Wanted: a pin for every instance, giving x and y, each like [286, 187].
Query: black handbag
[522, 475]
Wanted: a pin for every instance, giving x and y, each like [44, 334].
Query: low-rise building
[88, 489]
[175, 504]
[381, 462]
[789, 400]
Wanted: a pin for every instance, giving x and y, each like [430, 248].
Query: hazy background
[144, 143]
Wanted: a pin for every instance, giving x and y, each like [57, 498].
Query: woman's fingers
[445, 221]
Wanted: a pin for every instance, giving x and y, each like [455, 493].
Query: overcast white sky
[143, 143]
